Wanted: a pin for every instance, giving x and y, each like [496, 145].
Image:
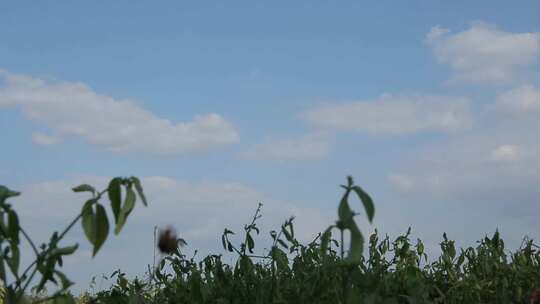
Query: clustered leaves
[49, 256]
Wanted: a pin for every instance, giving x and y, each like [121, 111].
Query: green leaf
[14, 260]
[344, 211]
[250, 243]
[65, 250]
[325, 239]
[367, 201]
[84, 188]
[6, 193]
[346, 218]
[223, 242]
[356, 248]
[288, 236]
[115, 196]
[129, 203]
[101, 228]
[139, 190]
[13, 226]
[88, 221]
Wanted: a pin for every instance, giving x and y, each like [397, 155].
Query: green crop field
[329, 269]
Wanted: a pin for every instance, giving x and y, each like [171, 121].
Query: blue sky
[430, 105]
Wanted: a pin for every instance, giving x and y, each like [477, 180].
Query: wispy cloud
[394, 115]
[483, 53]
[518, 101]
[308, 147]
[73, 109]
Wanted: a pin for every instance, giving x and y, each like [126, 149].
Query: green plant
[49, 256]
[395, 271]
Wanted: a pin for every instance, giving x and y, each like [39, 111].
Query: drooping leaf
[13, 226]
[139, 189]
[88, 221]
[101, 228]
[115, 196]
[250, 243]
[223, 242]
[129, 203]
[367, 201]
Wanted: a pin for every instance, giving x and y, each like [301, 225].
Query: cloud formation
[305, 148]
[483, 53]
[489, 165]
[521, 100]
[73, 109]
[394, 115]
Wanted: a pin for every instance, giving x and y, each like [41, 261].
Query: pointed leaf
[101, 228]
[88, 221]
[65, 250]
[6, 193]
[13, 226]
[139, 190]
[84, 188]
[367, 201]
[129, 203]
[325, 239]
[250, 243]
[115, 196]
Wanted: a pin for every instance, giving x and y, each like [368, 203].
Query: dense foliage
[395, 271]
[329, 269]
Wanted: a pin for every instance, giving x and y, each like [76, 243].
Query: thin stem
[255, 217]
[341, 246]
[28, 281]
[29, 241]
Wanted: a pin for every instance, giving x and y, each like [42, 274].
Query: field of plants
[330, 269]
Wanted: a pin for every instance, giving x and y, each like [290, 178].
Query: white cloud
[308, 147]
[394, 115]
[522, 99]
[483, 53]
[482, 165]
[506, 153]
[73, 109]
